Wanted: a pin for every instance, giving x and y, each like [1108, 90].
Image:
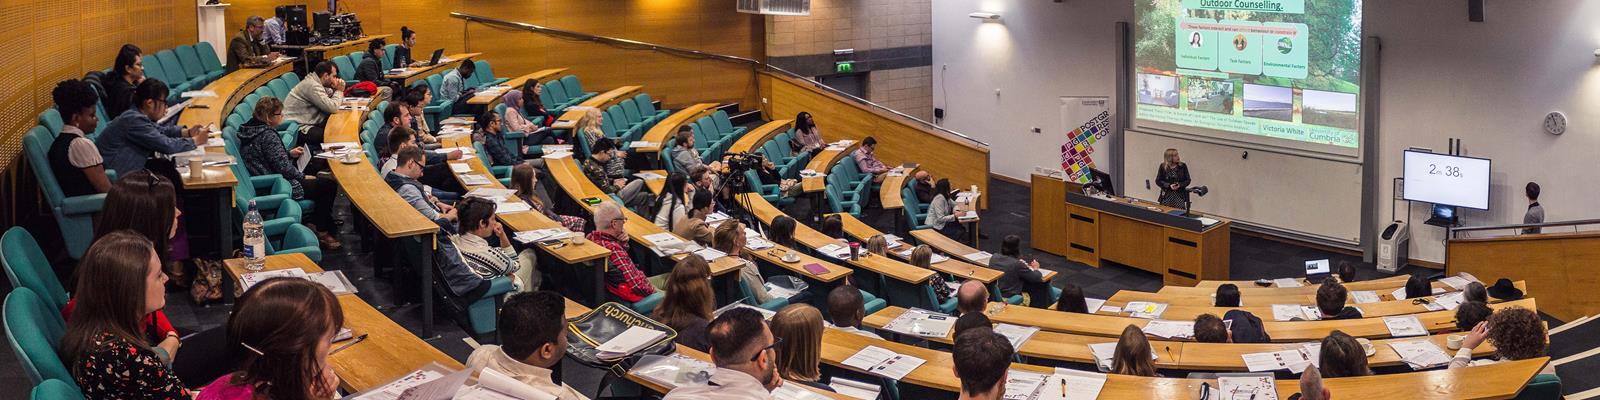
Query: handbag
[207, 284]
[588, 331]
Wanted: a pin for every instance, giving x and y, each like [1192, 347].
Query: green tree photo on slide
[1334, 52]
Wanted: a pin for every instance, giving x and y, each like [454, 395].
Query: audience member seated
[1517, 334]
[126, 74]
[454, 85]
[1245, 327]
[922, 185]
[798, 331]
[832, 226]
[1019, 277]
[729, 239]
[247, 48]
[533, 340]
[371, 67]
[1072, 300]
[695, 227]
[1227, 295]
[488, 130]
[632, 193]
[1210, 329]
[942, 212]
[689, 303]
[623, 279]
[1311, 385]
[742, 348]
[134, 136]
[982, 361]
[488, 261]
[525, 181]
[278, 360]
[1132, 356]
[74, 159]
[847, 307]
[922, 257]
[312, 100]
[866, 159]
[1342, 356]
[399, 139]
[535, 134]
[768, 174]
[262, 151]
[140, 201]
[1347, 272]
[589, 130]
[1475, 292]
[1470, 313]
[416, 99]
[807, 137]
[781, 231]
[1331, 299]
[673, 203]
[463, 281]
[402, 53]
[968, 321]
[533, 107]
[1417, 286]
[437, 177]
[104, 345]
[971, 297]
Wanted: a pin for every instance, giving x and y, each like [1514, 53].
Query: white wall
[1489, 83]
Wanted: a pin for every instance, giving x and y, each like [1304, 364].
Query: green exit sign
[844, 67]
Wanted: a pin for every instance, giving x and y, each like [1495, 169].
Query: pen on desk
[1063, 387]
[357, 340]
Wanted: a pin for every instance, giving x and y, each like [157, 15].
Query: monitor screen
[1447, 179]
[1318, 267]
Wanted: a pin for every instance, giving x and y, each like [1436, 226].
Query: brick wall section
[862, 25]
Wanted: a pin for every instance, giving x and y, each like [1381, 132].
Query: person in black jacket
[261, 149]
[371, 68]
[402, 53]
[922, 185]
[1330, 301]
[1173, 178]
[125, 75]
[1019, 277]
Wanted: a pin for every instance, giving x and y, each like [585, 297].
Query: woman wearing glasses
[278, 360]
[262, 149]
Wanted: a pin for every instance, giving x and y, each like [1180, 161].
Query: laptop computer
[1316, 270]
[435, 59]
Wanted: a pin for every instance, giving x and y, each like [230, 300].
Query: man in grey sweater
[312, 100]
[1535, 213]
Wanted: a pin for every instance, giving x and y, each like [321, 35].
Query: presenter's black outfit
[1166, 177]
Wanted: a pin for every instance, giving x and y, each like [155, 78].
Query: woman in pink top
[807, 137]
[280, 360]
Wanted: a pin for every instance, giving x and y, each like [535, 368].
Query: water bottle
[255, 240]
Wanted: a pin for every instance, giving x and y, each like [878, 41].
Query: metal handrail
[1453, 230]
[701, 54]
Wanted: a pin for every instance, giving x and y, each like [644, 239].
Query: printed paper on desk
[1016, 334]
[793, 391]
[1287, 283]
[981, 257]
[855, 389]
[250, 279]
[1420, 354]
[1145, 309]
[494, 384]
[1287, 312]
[438, 389]
[394, 389]
[1458, 282]
[710, 254]
[1093, 305]
[512, 207]
[629, 341]
[639, 144]
[1170, 329]
[1406, 325]
[335, 281]
[1241, 387]
[1365, 296]
[1069, 384]
[1022, 385]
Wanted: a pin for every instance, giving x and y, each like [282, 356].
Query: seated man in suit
[1019, 277]
[249, 47]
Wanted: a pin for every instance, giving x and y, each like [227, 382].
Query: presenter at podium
[1173, 178]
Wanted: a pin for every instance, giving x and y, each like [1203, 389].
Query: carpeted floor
[1008, 214]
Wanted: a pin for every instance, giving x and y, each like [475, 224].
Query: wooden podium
[1130, 232]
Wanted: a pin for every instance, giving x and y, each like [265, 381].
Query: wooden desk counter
[1146, 236]
[658, 184]
[754, 138]
[823, 163]
[954, 266]
[345, 47]
[489, 100]
[958, 250]
[1249, 288]
[566, 251]
[231, 89]
[1559, 266]
[569, 119]
[1281, 331]
[411, 75]
[813, 239]
[1374, 284]
[1189, 306]
[367, 190]
[889, 196]
[571, 179]
[668, 127]
[390, 350]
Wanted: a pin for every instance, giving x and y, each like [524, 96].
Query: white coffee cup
[197, 167]
[577, 239]
[1454, 341]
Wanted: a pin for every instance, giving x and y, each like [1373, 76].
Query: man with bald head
[743, 348]
[922, 185]
[971, 297]
[1311, 385]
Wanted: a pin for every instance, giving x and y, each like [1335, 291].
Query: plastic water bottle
[255, 240]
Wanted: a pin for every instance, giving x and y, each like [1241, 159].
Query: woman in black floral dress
[104, 344]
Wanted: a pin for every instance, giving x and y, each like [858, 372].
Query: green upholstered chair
[34, 332]
[75, 215]
[55, 389]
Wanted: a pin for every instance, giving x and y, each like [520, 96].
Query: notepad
[541, 234]
[884, 362]
[1406, 325]
[198, 93]
[1016, 334]
[1170, 329]
[1420, 354]
[1287, 283]
[1247, 387]
[1365, 296]
[1067, 384]
[1145, 309]
[629, 341]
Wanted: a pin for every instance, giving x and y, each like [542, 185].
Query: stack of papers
[1023, 385]
[198, 93]
[1405, 325]
[1260, 387]
[1294, 360]
[473, 180]
[922, 323]
[490, 193]
[1295, 312]
[765, 313]
[629, 341]
[250, 279]
[856, 389]
[1286, 282]
[1093, 305]
[1458, 282]
[717, 218]
[514, 206]
[758, 243]
[456, 121]
[542, 234]
[835, 250]
[840, 145]
[496, 385]
[1170, 329]
[1365, 296]
[710, 254]
[461, 168]
[1447, 301]
[335, 281]
[673, 370]
[980, 258]
[884, 362]
[1145, 309]
[666, 242]
[1420, 354]
[638, 144]
[1069, 384]
[1104, 351]
[807, 173]
[1017, 334]
[779, 291]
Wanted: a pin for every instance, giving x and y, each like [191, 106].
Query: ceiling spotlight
[986, 16]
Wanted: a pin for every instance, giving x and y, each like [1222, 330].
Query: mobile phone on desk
[591, 200]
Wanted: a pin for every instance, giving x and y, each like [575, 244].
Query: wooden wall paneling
[962, 161]
[1557, 267]
[18, 107]
[430, 18]
[1049, 212]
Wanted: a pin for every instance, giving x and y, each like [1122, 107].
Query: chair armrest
[498, 286]
[86, 204]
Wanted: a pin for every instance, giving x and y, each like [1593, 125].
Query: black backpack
[1246, 327]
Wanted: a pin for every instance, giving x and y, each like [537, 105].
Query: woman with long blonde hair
[1173, 178]
[922, 256]
[589, 131]
[689, 303]
[799, 327]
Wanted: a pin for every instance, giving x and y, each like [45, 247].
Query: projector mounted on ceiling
[775, 7]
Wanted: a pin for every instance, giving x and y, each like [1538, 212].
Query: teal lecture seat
[27, 266]
[55, 389]
[74, 215]
[34, 332]
[208, 58]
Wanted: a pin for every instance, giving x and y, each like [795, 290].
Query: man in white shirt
[532, 341]
[742, 347]
[847, 307]
[983, 359]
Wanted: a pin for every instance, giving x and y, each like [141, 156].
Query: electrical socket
[1037, 130]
